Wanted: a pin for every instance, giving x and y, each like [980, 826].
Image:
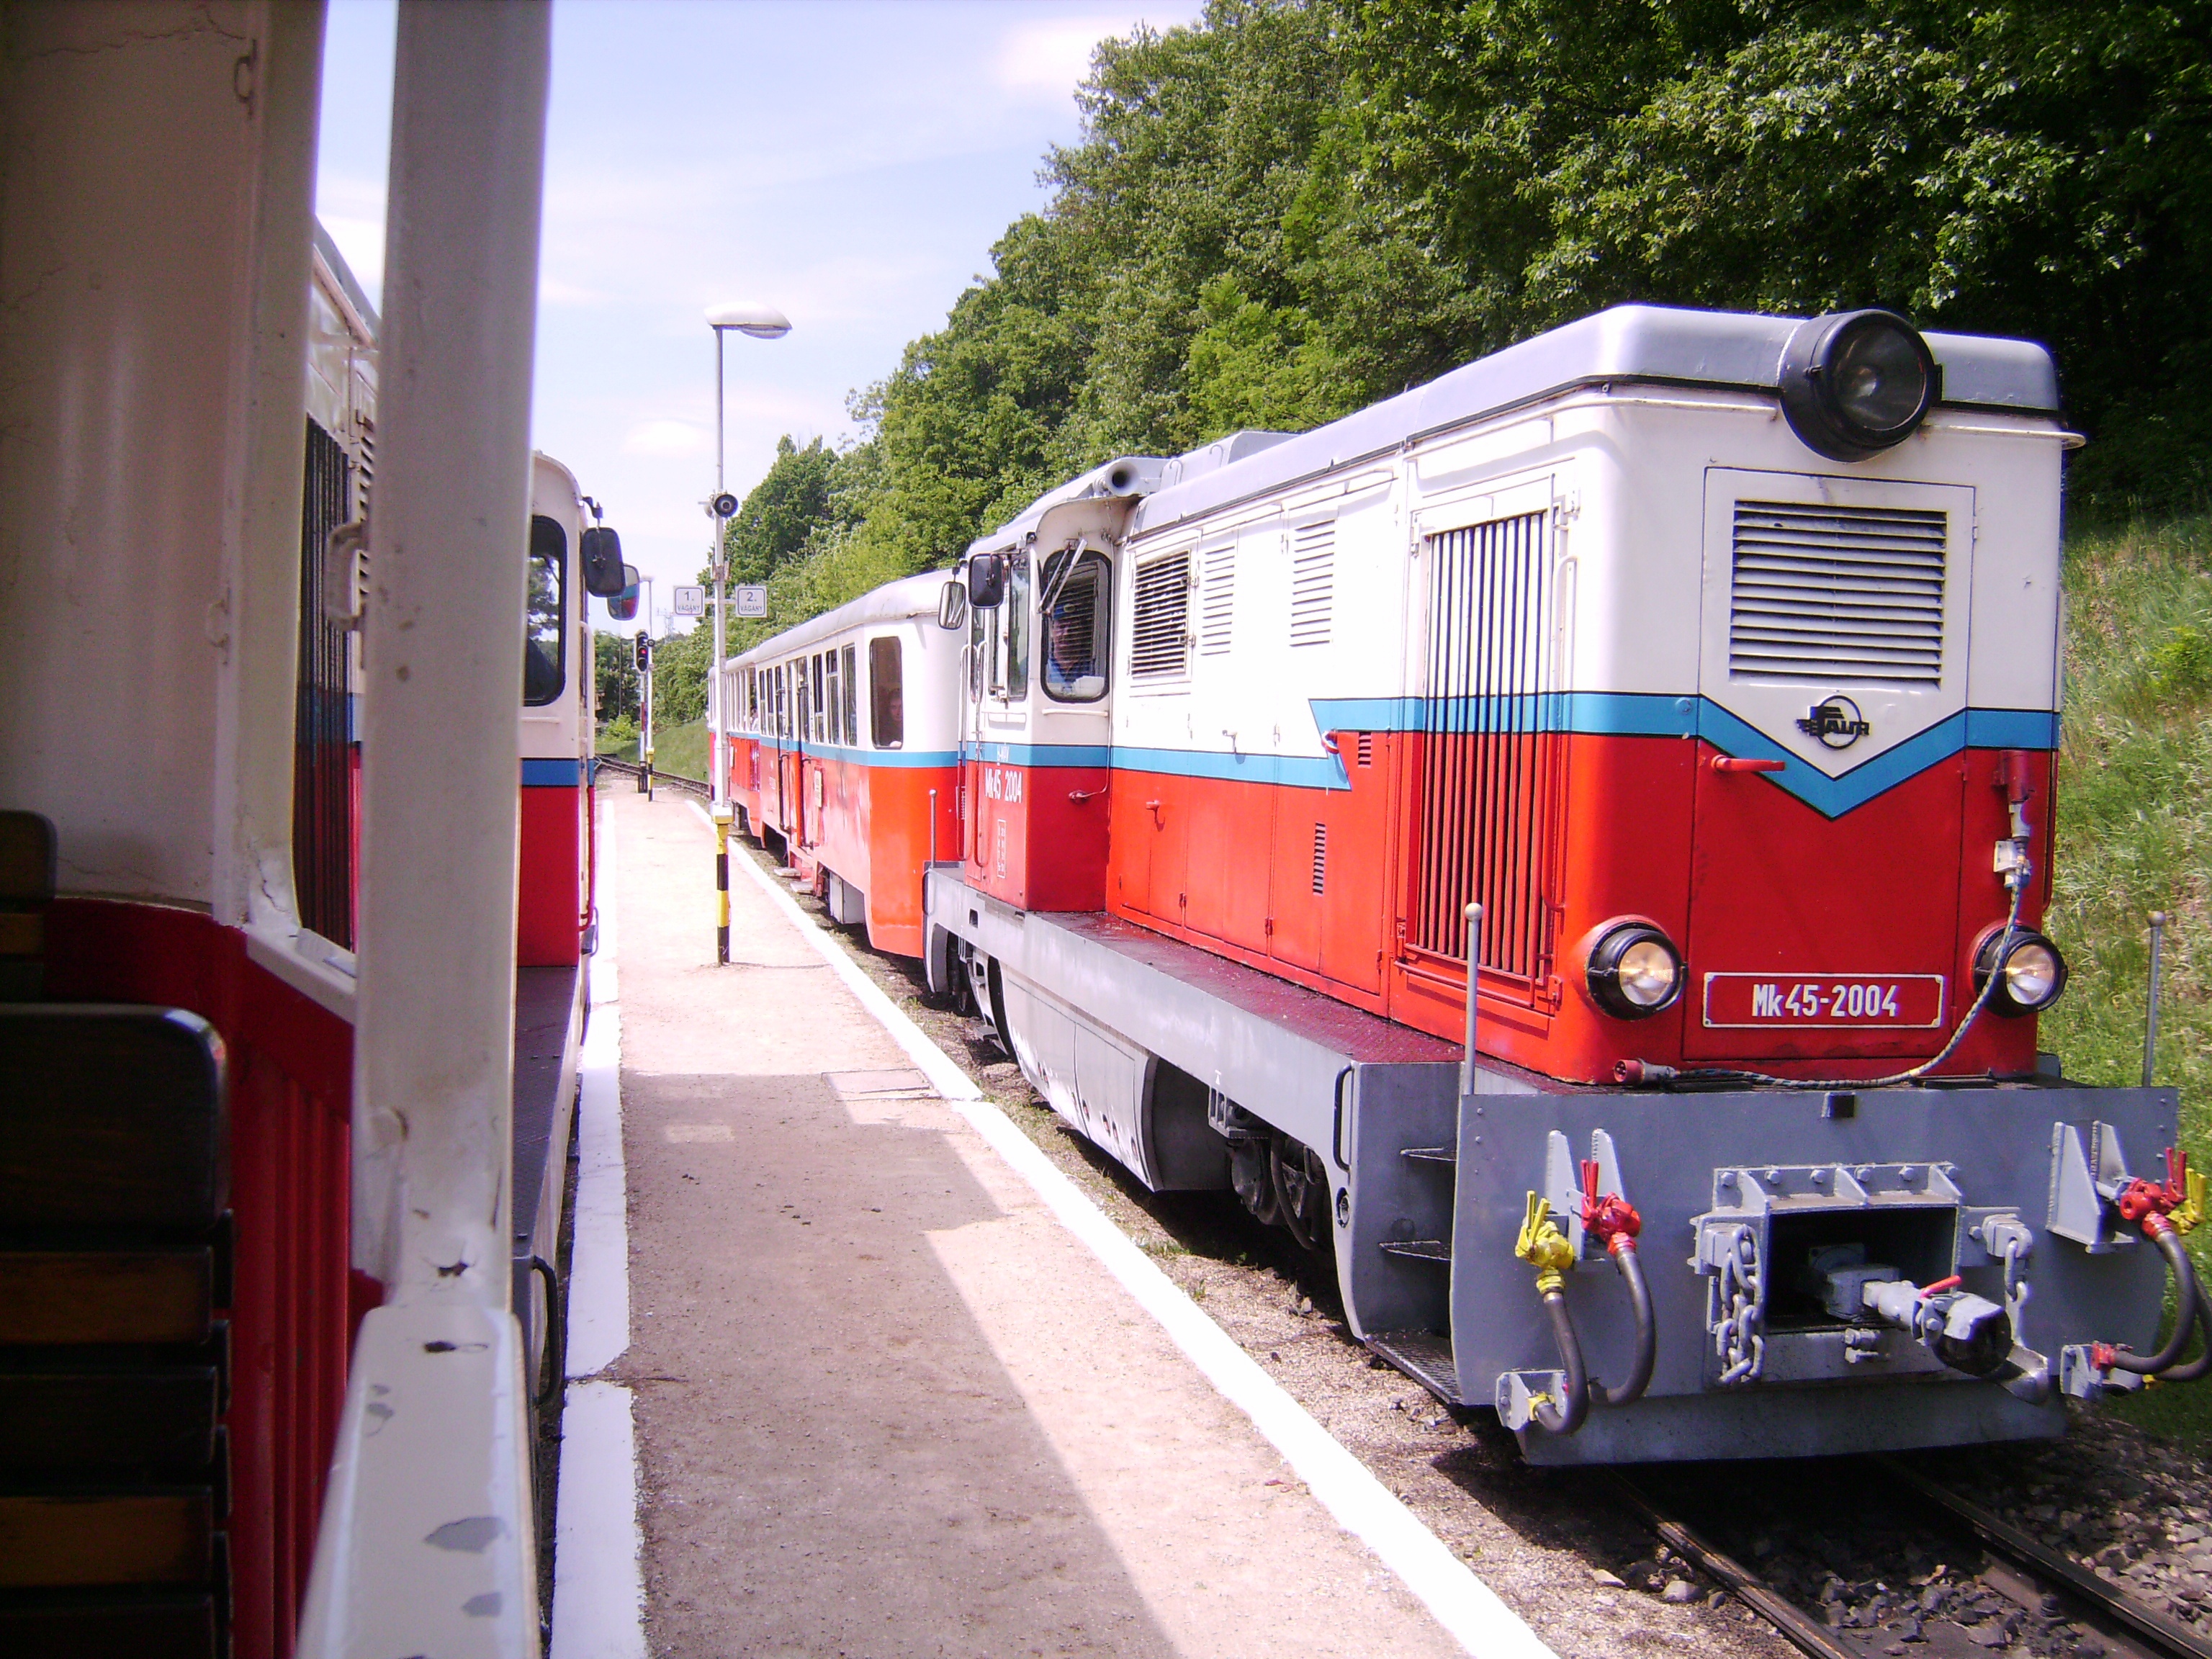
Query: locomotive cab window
[886, 694]
[1075, 610]
[1010, 636]
[545, 607]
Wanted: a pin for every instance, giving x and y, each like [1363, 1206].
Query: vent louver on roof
[1836, 593]
[1159, 642]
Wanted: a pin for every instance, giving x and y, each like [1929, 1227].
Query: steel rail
[1733, 1575]
[2169, 1634]
[674, 780]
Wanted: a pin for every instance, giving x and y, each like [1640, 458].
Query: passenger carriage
[844, 753]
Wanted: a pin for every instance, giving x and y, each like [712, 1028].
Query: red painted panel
[1644, 816]
[1037, 836]
[549, 899]
[1777, 887]
[295, 1298]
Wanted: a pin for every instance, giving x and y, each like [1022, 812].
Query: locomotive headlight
[1853, 383]
[1634, 971]
[2030, 975]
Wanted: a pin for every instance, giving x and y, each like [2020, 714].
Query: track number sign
[1901, 1001]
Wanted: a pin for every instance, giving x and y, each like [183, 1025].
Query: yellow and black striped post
[722, 887]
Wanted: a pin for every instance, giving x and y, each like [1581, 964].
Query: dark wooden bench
[114, 1272]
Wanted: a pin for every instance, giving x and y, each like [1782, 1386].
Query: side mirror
[952, 606]
[986, 580]
[622, 604]
[605, 572]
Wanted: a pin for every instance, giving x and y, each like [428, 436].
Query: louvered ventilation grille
[1216, 601]
[1313, 582]
[1321, 857]
[1367, 748]
[1159, 643]
[1836, 593]
[1492, 774]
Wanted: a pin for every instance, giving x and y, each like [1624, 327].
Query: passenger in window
[1072, 670]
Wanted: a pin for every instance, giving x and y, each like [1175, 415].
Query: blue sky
[846, 162]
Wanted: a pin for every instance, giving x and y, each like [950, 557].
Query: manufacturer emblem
[1836, 721]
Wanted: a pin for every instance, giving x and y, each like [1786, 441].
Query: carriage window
[836, 696]
[886, 694]
[1075, 602]
[851, 695]
[815, 723]
[545, 644]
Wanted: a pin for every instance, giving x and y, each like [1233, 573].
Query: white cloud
[1052, 57]
[672, 437]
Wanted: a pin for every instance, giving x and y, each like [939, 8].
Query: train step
[1424, 1356]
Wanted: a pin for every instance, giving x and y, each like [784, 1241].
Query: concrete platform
[885, 1404]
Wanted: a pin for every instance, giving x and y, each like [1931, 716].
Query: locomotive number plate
[1906, 1002]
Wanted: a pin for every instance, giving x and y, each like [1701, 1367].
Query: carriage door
[1834, 640]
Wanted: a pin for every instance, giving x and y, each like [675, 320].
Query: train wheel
[1301, 1187]
[1250, 1173]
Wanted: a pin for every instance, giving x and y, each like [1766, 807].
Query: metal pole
[720, 794]
[722, 887]
[1473, 950]
[2158, 920]
[433, 1428]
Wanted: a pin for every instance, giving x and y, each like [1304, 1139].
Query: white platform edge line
[1467, 1608]
[598, 1282]
[598, 1585]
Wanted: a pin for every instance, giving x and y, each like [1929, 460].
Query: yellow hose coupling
[2186, 1215]
[1543, 1246]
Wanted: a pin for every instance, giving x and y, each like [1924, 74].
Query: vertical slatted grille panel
[1490, 774]
[1160, 645]
[1217, 600]
[322, 770]
[1313, 582]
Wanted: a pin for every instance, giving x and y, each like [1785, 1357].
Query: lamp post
[762, 322]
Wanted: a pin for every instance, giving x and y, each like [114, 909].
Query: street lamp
[762, 322]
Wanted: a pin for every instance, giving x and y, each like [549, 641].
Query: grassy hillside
[681, 749]
[2135, 834]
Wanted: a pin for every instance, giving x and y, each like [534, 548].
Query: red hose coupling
[1609, 1216]
[2151, 1201]
[2156, 1226]
[2101, 1355]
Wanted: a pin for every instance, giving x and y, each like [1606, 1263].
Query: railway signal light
[644, 651]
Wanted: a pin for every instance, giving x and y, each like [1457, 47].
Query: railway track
[660, 779]
[2047, 1590]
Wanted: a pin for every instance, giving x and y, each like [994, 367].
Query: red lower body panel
[550, 901]
[295, 1300]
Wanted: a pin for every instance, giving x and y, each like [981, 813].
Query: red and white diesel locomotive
[1686, 683]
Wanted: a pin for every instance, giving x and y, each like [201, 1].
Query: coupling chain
[1737, 1338]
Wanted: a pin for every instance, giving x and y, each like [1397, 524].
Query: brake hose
[1647, 1334]
[2188, 1311]
[1565, 1416]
